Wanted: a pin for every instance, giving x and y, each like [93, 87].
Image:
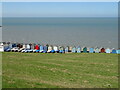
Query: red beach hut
[102, 50]
[37, 47]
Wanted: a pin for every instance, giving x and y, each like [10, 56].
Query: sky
[59, 9]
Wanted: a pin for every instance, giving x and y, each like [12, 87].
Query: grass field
[36, 70]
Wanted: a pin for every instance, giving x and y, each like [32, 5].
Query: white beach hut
[49, 49]
[70, 49]
[1, 47]
[28, 46]
[97, 50]
[78, 49]
[107, 50]
[24, 46]
[55, 48]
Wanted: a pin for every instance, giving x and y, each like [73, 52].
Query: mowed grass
[73, 70]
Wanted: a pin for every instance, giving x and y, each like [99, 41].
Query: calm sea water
[90, 32]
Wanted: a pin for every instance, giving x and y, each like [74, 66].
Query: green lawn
[73, 70]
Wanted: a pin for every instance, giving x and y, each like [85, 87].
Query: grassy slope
[36, 70]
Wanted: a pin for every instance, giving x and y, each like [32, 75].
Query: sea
[63, 31]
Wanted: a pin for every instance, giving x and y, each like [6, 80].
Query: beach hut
[41, 49]
[24, 46]
[45, 48]
[61, 49]
[66, 49]
[118, 51]
[21, 47]
[91, 50]
[37, 47]
[15, 49]
[74, 49]
[102, 50]
[28, 46]
[33, 46]
[85, 50]
[6, 47]
[108, 50]
[14, 45]
[1, 47]
[70, 49]
[97, 50]
[49, 49]
[52, 51]
[9, 47]
[114, 51]
[78, 49]
[55, 48]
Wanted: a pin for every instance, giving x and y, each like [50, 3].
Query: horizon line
[56, 17]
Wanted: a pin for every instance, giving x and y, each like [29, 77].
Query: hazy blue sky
[60, 9]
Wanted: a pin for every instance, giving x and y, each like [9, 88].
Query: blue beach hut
[78, 49]
[66, 49]
[91, 50]
[85, 49]
[10, 45]
[61, 49]
[45, 48]
[41, 49]
[114, 51]
[8, 49]
[14, 45]
[118, 51]
[74, 49]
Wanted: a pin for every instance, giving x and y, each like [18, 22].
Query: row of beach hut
[17, 47]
